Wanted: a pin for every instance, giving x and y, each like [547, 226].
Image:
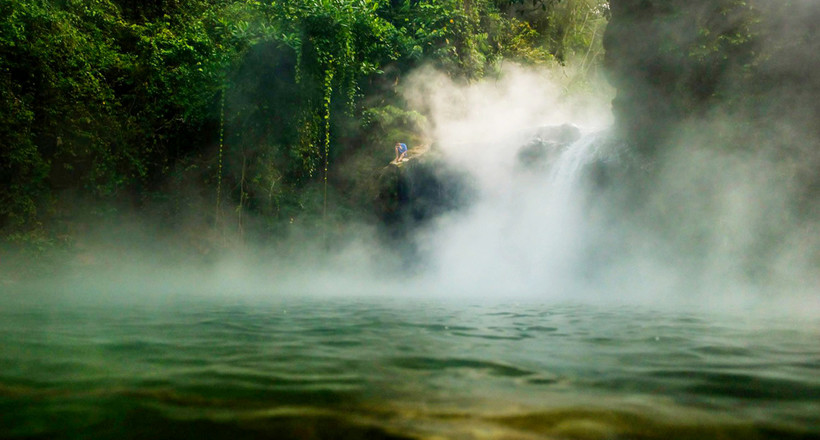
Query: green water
[378, 368]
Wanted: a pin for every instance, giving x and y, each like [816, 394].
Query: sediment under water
[381, 368]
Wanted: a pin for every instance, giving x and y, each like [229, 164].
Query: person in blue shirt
[401, 151]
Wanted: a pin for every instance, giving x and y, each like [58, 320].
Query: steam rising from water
[714, 224]
[532, 231]
[521, 235]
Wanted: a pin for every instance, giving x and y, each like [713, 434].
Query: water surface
[382, 368]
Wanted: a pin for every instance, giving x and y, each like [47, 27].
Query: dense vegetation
[223, 118]
[230, 115]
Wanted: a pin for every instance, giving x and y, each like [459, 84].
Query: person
[401, 151]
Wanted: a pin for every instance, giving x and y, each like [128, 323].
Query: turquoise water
[379, 368]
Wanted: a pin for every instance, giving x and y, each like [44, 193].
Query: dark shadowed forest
[210, 123]
[604, 222]
[216, 121]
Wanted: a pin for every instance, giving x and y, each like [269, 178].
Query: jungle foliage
[226, 107]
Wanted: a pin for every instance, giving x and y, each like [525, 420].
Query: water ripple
[439, 364]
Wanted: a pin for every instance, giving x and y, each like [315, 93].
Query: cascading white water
[524, 231]
[564, 173]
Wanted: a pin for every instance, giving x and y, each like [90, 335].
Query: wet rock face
[564, 134]
[674, 59]
[410, 195]
[646, 76]
[754, 62]
[545, 143]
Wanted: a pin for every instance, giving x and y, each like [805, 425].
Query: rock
[411, 193]
[564, 134]
[545, 142]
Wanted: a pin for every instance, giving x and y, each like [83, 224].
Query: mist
[712, 226]
[542, 230]
[709, 221]
[563, 253]
[520, 235]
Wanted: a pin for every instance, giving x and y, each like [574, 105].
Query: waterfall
[524, 231]
[565, 172]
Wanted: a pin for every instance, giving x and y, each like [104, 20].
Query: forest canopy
[225, 107]
[219, 118]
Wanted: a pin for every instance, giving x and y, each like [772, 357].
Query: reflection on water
[401, 369]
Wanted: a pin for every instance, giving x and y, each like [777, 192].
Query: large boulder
[545, 143]
[409, 194]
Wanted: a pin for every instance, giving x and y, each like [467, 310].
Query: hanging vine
[328, 92]
[333, 45]
[219, 157]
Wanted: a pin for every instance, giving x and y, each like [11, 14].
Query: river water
[397, 368]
